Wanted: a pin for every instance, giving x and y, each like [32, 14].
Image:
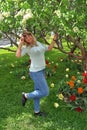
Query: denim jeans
[41, 88]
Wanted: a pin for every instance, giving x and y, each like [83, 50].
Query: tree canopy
[66, 17]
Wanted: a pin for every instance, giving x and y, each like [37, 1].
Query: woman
[36, 51]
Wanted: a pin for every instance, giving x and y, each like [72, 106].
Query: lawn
[14, 80]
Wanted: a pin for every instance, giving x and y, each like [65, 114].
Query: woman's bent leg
[40, 85]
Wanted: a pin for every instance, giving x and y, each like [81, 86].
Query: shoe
[40, 114]
[24, 99]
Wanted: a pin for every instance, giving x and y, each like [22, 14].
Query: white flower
[23, 77]
[12, 65]
[20, 13]
[66, 75]
[23, 23]
[52, 85]
[10, 72]
[76, 61]
[10, 26]
[78, 72]
[52, 62]
[80, 61]
[60, 96]
[58, 13]
[72, 60]
[76, 29]
[56, 105]
[28, 11]
[56, 64]
[61, 60]
[67, 69]
[78, 81]
[27, 16]
[6, 14]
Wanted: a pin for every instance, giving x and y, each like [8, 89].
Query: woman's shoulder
[39, 43]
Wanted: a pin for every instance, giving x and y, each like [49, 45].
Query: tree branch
[8, 49]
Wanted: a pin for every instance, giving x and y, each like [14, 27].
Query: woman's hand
[18, 52]
[21, 40]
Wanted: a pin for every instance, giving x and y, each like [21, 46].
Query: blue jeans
[40, 88]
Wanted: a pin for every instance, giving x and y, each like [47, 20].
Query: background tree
[66, 17]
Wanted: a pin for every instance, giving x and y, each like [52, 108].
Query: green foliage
[68, 17]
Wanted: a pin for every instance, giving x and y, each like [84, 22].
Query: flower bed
[73, 91]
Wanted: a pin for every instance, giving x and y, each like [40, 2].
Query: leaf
[69, 105]
[85, 101]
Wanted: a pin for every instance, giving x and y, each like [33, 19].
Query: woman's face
[28, 39]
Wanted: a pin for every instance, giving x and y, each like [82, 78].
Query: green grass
[15, 117]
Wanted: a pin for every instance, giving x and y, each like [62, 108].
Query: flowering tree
[66, 17]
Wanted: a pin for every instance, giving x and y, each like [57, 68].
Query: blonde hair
[30, 33]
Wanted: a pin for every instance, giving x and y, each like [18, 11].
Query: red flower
[47, 62]
[84, 77]
[29, 61]
[72, 97]
[85, 80]
[55, 67]
[79, 109]
[84, 74]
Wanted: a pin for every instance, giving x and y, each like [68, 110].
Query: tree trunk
[85, 62]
